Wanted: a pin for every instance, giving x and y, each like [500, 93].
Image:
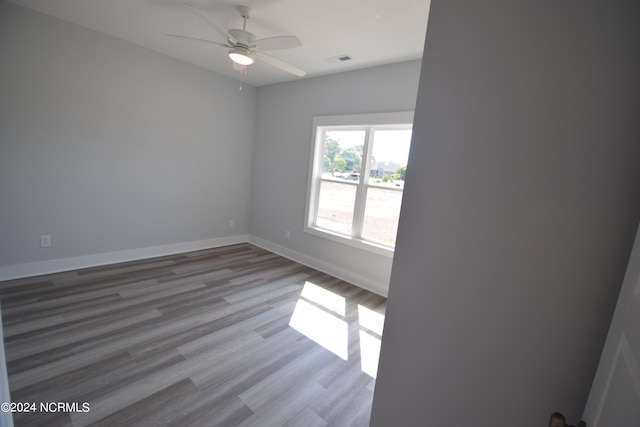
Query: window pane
[381, 215]
[335, 206]
[343, 154]
[389, 156]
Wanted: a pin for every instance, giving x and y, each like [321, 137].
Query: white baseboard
[38, 268]
[339, 272]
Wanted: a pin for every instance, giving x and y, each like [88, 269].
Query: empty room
[285, 213]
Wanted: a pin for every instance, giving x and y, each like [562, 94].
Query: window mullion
[361, 191]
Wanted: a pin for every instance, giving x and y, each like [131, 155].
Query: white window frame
[366, 122]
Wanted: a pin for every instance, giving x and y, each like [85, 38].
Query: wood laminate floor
[232, 336]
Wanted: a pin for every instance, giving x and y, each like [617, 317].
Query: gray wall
[521, 202]
[108, 146]
[281, 158]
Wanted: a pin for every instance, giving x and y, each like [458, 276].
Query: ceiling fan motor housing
[244, 38]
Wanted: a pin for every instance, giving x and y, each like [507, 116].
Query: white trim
[625, 353]
[379, 288]
[38, 268]
[366, 119]
[351, 241]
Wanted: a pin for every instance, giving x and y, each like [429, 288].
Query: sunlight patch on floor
[320, 315]
[329, 300]
[322, 327]
[369, 353]
[370, 319]
[371, 325]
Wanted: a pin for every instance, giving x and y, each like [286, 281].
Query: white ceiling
[372, 32]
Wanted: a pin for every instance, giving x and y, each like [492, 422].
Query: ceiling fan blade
[277, 43]
[206, 18]
[197, 39]
[278, 63]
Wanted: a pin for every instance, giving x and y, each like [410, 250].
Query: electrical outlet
[287, 234]
[232, 223]
[45, 240]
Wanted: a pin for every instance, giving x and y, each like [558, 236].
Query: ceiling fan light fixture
[241, 56]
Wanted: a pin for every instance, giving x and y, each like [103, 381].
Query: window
[356, 178]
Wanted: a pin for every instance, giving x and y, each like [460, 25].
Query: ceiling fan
[243, 46]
